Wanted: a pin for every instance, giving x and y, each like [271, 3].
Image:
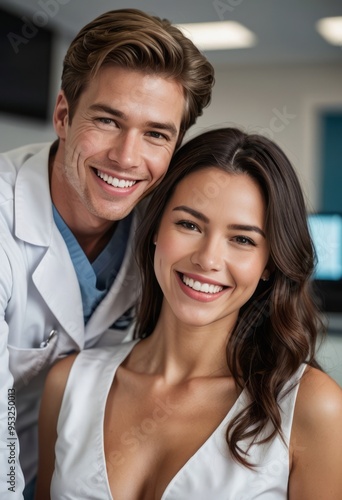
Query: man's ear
[61, 115]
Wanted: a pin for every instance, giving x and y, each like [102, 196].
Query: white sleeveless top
[211, 473]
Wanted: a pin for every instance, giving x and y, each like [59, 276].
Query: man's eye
[157, 135]
[106, 121]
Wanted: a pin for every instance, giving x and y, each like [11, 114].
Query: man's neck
[93, 244]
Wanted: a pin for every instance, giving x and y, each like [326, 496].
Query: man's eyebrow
[191, 211]
[109, 110]
[202, 217]
[167, 126]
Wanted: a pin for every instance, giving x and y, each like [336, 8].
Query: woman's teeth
[114, 181]
[201, 287]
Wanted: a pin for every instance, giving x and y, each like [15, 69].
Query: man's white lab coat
[41, 316]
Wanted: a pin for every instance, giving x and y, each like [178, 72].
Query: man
[132, 85]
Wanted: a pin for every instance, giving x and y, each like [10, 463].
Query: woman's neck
[179, 352]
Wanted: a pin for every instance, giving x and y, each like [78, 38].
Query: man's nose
[126, 150]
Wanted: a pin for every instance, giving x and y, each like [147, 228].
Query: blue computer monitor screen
[326, 233]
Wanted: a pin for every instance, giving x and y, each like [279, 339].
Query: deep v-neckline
[187, 464]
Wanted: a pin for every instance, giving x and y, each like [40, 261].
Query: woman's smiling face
[211, 249]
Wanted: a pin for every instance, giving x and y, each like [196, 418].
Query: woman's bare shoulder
[58, 375]
[320, 391]
[319, 398]
[316, 439]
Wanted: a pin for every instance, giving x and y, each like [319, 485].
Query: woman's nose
[209, 255]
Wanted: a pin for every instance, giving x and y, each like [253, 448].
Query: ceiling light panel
[219, 35]
[330, 28]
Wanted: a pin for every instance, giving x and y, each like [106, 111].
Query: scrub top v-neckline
[193, 456]
[211, 472]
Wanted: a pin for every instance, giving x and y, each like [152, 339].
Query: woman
[219, 396]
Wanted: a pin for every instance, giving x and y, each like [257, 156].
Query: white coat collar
[35, 225]
[33, 209]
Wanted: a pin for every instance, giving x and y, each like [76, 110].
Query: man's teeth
[114, 181]
[201, 287]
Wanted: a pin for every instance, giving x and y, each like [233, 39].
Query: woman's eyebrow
[246, 227]
[191, 211]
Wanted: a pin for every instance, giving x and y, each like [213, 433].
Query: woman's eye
[187, 225]
[243, 240]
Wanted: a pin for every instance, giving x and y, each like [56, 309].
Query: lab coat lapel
[122, 295]
[54, 275]
[56, 281]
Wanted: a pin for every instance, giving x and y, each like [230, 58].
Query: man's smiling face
[119, 143]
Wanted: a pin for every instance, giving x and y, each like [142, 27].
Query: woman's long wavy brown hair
[277, 329]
